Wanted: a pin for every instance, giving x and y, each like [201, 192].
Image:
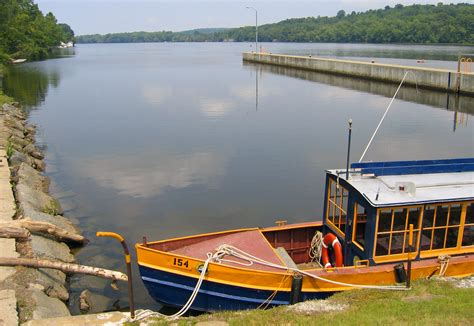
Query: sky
[111, 16]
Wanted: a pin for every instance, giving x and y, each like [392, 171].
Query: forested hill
[401, 24]
[26, 33]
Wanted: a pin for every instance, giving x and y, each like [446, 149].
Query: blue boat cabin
[371, 211]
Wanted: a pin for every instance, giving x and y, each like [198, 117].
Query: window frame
[334, 207]
[354, 226]
[459, 249]
[403, 255]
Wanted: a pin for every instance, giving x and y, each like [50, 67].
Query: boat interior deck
[283, 245]
[250, 241]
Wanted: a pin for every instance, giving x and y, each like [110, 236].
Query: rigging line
[386, 111]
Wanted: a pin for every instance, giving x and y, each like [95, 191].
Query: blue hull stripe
[174, 290]
[217, 294]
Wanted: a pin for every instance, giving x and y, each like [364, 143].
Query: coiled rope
[316, 248]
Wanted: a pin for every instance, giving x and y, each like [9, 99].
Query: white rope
[143, 314]
[316, 248]
[383, 117]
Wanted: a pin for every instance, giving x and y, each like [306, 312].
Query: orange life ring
[331, 240]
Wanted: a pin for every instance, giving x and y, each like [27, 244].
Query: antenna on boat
[386, 111]
[348, 149]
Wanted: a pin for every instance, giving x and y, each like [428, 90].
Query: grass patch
[432, 302]
[53, 208]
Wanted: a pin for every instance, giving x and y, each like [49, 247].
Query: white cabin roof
[410, 189]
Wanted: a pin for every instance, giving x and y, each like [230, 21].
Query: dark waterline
[166, 140]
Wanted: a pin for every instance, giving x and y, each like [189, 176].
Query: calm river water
[166, 140]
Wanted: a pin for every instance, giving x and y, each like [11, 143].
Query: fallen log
[65, 267]
[15, 232]
[44, 227]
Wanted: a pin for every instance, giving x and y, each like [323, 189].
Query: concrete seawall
[438, 79]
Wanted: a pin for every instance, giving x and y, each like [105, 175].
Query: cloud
[156, 94]
[214, 107]
[150, 175]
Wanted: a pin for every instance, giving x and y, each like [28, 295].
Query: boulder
[12, 122]
[28, 211]
[13, 108]
[47, 307]
[33, 151]
[17, 158]
[32, 178]
[7, 107]
[92, 302]
[19, 141]
[37, 199]
[98, 284]
[38, 164]
[30, 129]
[50, 249]
[53, 282]
[14, 132]
[16, 146]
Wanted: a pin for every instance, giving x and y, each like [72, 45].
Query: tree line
[430, 24]
[26, 33]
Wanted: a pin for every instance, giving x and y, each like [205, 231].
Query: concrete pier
[437, 79]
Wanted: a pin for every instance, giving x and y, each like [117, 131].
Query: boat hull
[174, 290]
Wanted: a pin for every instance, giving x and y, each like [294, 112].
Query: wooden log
[45, 227]
[16, 232]
[65, 267]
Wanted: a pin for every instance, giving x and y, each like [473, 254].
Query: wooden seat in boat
[286, 257]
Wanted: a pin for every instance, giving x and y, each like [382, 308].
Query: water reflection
[29, 85]
[432, 98]
[156, 95]
[216, 107]
[153, 173]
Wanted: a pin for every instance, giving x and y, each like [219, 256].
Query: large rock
[17, 158]
[14, 132]
[91, 302]
[30, 129]
[29, 212]
[18, 141]
[47, 307]
[53, 282]
[38, 164]
[49, 249]
[14, 123]
[10, 108]
[32, 178]
[33, 151]
[37, 199]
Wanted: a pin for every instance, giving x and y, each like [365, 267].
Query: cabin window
[336, 214]
[468, 233]
[441, 226]
[360, 222]
[392, 230]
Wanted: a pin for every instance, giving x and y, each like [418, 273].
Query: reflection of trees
[29, 85]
